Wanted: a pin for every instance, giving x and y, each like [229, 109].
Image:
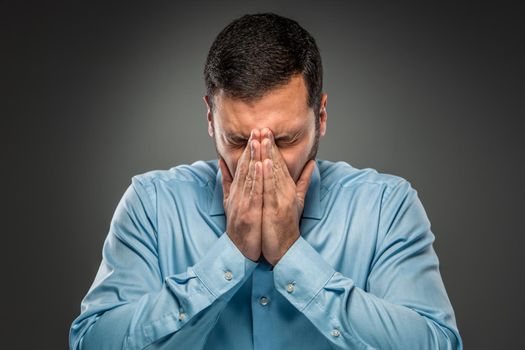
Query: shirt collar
[312, 205]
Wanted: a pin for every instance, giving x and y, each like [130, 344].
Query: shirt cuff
[223, 267]
[301, 273]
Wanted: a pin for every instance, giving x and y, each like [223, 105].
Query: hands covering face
[262, 203]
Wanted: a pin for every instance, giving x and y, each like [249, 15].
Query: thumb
[227, 178]
[304, 181]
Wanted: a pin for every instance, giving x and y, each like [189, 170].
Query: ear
[323, 115]
[209, 116]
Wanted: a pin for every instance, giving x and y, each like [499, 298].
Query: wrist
[282, 251]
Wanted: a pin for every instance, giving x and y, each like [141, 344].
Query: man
[268, 247]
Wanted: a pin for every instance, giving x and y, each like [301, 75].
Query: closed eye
[286, 143]
[237, 144]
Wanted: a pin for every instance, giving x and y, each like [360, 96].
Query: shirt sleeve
[131, 306]
[404, 306]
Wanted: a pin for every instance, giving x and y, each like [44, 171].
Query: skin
[266, 149]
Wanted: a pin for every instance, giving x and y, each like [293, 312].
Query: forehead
[284, 110]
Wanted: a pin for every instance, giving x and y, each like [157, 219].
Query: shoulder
[199, 173]
[193, 177]
[393, 194]
[337, 175]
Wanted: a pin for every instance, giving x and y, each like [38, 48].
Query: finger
[279, 164]
[227, 178]
[270, 196]
[244, 160]
[256, 134]
[264, 133]
[248, 182]
[256, 150]
[266, 149]
[304, 181]
[256, 194]
[265, 144]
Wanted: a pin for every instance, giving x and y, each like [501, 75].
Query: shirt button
[228, 275]
[264, 301]
[182, 316]
[290, 287]
[335, 333]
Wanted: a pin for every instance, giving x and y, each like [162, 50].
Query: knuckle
[245, 220]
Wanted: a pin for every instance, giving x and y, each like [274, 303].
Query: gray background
[95, 93]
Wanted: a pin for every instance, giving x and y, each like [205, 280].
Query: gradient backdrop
[93, 94]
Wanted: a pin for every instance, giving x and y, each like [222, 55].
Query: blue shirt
[362, 275]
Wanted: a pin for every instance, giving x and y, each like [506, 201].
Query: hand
[243, 199]
[283, 200]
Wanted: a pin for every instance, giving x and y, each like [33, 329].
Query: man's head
[264, 70]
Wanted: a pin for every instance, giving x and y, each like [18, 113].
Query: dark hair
[256, 53]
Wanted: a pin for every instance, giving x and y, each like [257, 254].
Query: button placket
[182, 315]
[264, 301]
[263, 286]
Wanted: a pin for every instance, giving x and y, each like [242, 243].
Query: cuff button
[335, 333]
[228, 276]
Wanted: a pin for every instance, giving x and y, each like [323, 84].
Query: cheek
[230, 155]
[293, 159]
[232, 159]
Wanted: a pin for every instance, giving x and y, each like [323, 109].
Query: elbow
[77, 332]
[444, 337]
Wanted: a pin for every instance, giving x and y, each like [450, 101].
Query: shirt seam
[318, 291]
[205, 284]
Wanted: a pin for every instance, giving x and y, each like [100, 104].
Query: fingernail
[252, 151]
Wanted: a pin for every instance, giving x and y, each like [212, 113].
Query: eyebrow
[282, 137]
